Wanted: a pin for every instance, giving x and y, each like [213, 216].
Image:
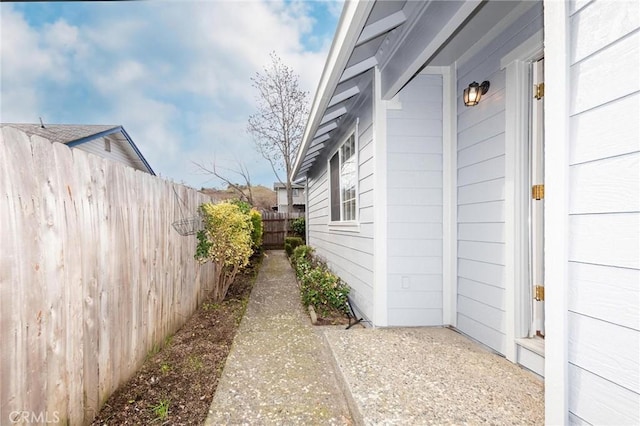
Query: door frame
[517, 306]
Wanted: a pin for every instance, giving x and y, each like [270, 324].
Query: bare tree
[278, 125]
[243, 191]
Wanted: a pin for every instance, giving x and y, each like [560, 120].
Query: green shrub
[298, 226]
[319, 287]
[290, 243]
[301, 253]
[225, 241]
[323, 290]
[256, 233]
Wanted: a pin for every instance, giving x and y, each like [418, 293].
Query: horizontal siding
[599, 401]
[610, 185]
[599, 291]
[481, 187]
[414, 208]
[606, 131]
[117, 153]
[605, 239]
[618, 361]
[349, 254]
[604, 214]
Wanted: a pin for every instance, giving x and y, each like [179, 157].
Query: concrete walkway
[283, 371]
[279, 369]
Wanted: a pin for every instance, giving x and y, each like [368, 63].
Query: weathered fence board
[92, 275]
[276, 226]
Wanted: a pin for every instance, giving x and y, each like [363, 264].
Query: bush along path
[177, 382]
[323, 292]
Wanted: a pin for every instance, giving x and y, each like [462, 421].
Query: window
[295, 192]
[343, 178]
[107, 145]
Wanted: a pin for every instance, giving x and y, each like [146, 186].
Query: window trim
[346, 225]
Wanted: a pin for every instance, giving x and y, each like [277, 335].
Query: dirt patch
[176, 384]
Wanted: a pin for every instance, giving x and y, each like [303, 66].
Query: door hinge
[538, 91]
[539, 293]
[537, 192]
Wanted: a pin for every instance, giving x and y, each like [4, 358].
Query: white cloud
[176, 75]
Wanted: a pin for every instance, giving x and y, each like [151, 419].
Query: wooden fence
[92, 275]
[275, 228]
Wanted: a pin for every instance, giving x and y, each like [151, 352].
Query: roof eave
[352, 21]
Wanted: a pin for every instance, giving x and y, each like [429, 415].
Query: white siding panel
[491, 190]
[489, 232]
[492, 104]
[482, 212]
[421, 179]
[487, 273]
[600, 24]
[414, 248]
[415, 162]
[609, 130]
[415, 203]
[415, 145]
[613, 71]
[415, 317]
[605, 239]
[411, 265]
[415, 300]
[606, 293]
[415, 214]
[488, 315]
[486, 129]
[599, 401]
[480, 332]
[606, 186]
[410, 197]
[418, 282]
[484, 252]
[618, 361]
[479, 172]
[485, 150]
[411, 127]
[483, 293]
[425, 231]
[604, 225]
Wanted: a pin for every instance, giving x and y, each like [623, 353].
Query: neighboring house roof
[280, 185]
[73, 135]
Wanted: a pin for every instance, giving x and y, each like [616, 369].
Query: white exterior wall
[281, 195]
[348, 252]
[118, 153]
[481, 189]
[414, 209]
[604, 213]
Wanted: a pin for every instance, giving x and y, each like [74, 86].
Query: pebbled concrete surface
[284, 371]
[432, 376]
[279, 369]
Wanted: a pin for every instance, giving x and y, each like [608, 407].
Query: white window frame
[341, 224]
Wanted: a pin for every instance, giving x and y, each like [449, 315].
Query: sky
[175, 74]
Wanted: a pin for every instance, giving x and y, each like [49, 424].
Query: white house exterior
[106, 141]
[424, 206]
[298, 195]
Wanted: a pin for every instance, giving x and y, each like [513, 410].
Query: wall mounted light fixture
[474, 92]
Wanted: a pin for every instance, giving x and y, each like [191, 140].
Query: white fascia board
[381, 26]
[352, 21]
